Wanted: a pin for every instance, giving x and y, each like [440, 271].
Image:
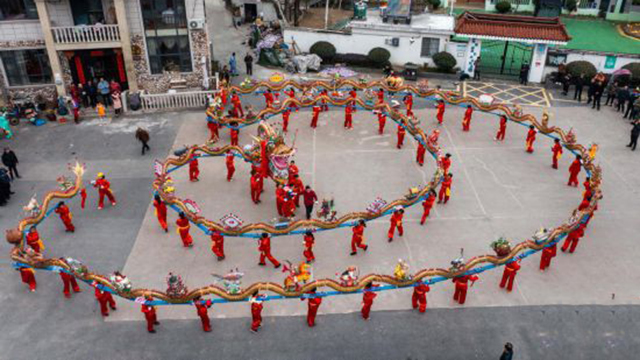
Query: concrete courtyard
[582, 306]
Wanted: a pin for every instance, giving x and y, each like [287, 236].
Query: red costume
[183, 230]
[256, 187]
[65, 216]
[237, 105]
[256, 315]
[268, 98]
[298, 189]
[460, 295]
[265, 252]
[382, 119]
[288, 206]
[503, 128]
[34, 241]
[509, 275]
[466, 121]
[408, 102]
[293, 171]
[285, 120]
[234, 136]
[280, 200]
[28, 277]
[83, 197]
[217, 244]
[104, 189]
[367, 301]
[213, 130]
[427, 204]
[292, 95]
[401, 132]
[194, 170]
[313, 305]
[223, 96]
[324, 106]
[446, 164]
[348, 118]
[573, 238]
[309, 240]
[69, 282]
[547, 254]
[557, 153]
[419, 297]
[396, 222]
[531, 138]
[445, 189]
[420, 154]
[201, 308]
[314, 119]
[574, 170]
[440, 114]
[105, 299]
[161, 213]
[357, 239]
[354, 95]
[380, 96]
[150, 315]
[230, 166]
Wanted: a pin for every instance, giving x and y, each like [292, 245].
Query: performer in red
[292, 170]
[256, 187]
[28, 276]
[353, 95]
[69, 283]
[230, 166]
[256, 311]
[324, 106]
[367, 300]
[285, 120]
[440, 114]
[584, 204]
[446, 163]
[401, 132]
[265, 251]
[298, 188]
[380, 96]
[382, 120]
[557, 153]
[503, 128]
[460, 295]
[572, 239]
[574, 170]
[427, 204]
[288, 205]
[150, 315]
[161, 212]
[445, 189]
[268, 98]
[104, 189]
[357, 239]
[348, 118]
[396, 222]
[237, 104]
[65, 216]
[213, 130]
[217, 244]
[419, 297]
[466, 121]
[234, 133]
[548, 253]
[509, 275]
[202, 307]
[313, 306]
[279, 199]
[292, 95]
[223, 96]
[314, 119]
[83, 197]
[420, 154]
[408, 102]
[105, 299]
[194, 169]
[309, 240]
[183, 230]
[531, 138]
[34, 241]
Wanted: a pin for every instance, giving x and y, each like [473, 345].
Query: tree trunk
[296, 12]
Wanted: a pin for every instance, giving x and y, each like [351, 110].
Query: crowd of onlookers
[98, 95]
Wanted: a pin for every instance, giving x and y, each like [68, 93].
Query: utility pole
[326, 16]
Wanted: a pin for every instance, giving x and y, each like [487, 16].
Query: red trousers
[108, 194]
[545, 260]
[28, 278]
[366, 310]
[442, 195]
[83, 196]
[151, 320]
[162, 219]
[419, 302]
[425, 214]
[460, 295]
[279, 207]
[230, 171]
[193, 174]
[381, 126]
[501, 133]
[420, 156]
[440, 117]
[570, 241]
[256, 321]
[68, 224]
[392, 230]
[104, 300]
[356, 242]
[573, 179]
[311, 316]
[186, 237]
[314, 121]
[400, 140]
[255, 194]
[529, 146]
[348, 121]
[555, 162]
[267, 254]
[308, 254]
[206, 323]
[508, 277]
[69, 282]
[218, 249]
[237, 107]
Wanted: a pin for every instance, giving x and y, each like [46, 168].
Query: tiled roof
[511, 27]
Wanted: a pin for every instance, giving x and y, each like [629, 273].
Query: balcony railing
[179, 100]
[86, 34]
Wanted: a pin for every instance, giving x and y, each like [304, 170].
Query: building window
[165, 25]
[26, 67]
[430, 46]
[18, 10]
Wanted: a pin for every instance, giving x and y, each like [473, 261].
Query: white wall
[597, 60]
[22, 30]
[457, 49]
[195, 9]
[134, 17]
[60, 13]
[359, 43]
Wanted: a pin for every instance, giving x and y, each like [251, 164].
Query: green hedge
[444, 61]
[581, 67]
[324, 49]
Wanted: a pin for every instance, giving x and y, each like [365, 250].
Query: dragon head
[277, 151]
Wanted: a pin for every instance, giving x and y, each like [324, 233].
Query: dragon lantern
[269, 147]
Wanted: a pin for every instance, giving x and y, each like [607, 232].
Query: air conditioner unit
[196, 24]
[392, 41]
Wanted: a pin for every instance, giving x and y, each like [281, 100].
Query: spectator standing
[579, 83]
[476, 69]
[104, 92]
[226, 76]
[310, 198]
[611, 90]
[597, 95]
[633, 97]
[117, 102]
[143, 136]
[5, 187]
[233, 65]
[84, 95]
[92, 92]
[114, 86]
[10, 160]
[524, 74]
[622, 97]
[507, 353]
[248, 61]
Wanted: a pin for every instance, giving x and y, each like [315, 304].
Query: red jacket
[446, 164]
[63, 211]
[265, 244]
[358, 231]
[427, 204]
[575, 167]
[309, 240]
[309, 197]
[202, 306]
[368, 296]
[396, 218]
[229, 161]
[531, 135]
[557, 150]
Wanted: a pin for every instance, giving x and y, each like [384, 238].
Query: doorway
[504, 57]
[87, 12]
[93, 65]
[250, 12]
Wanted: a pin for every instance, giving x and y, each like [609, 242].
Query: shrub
[379, 56]
[444, 61]
[581, 67]
[571, 5]
[635, 70]
[503, 7]
[435, 4]
[323, 49]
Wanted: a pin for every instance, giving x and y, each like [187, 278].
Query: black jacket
[635, 131]
[9, 159]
